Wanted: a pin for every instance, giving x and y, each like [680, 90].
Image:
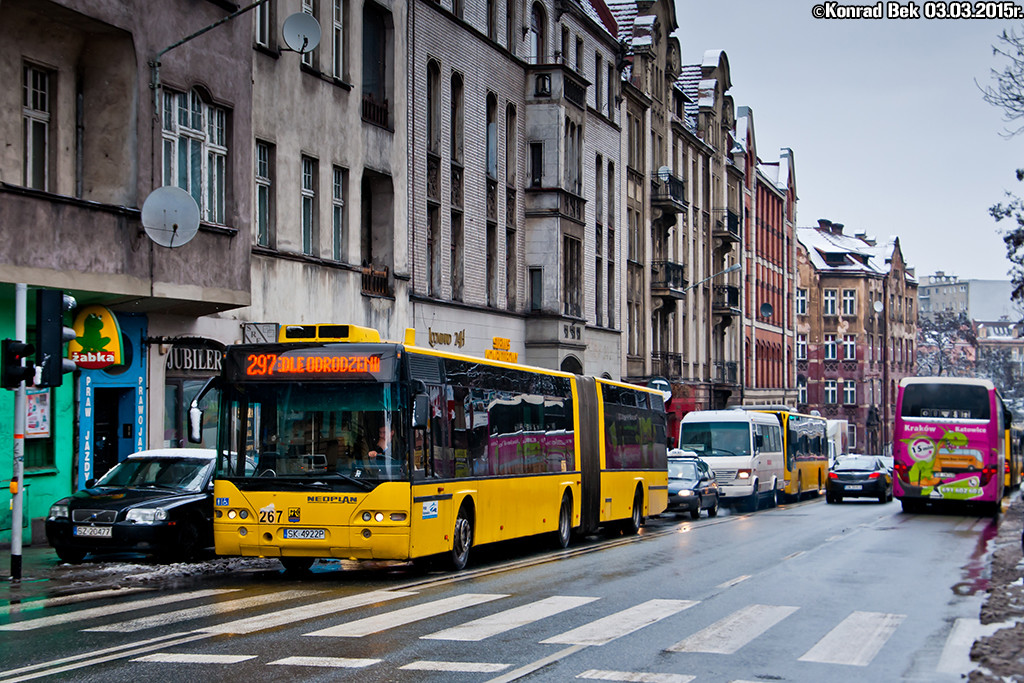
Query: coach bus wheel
[297, 565]
[462, 540]
[564, 534]
[636, 519]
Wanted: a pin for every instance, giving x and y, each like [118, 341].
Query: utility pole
[17, 497]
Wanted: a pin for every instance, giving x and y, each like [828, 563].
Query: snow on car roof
[198, 453]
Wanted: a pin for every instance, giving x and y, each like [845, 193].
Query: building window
[611, 91]
[456, 256]
[579, 55]
[492, 264]
[572, 278]
[849, 392]
[538, 36]
[492, 20]
[338, 226]
[849, 302]
[801, 347]
[309, 227]
[536, 289]
[850, 347]
[434, 251]
[195, 151]
[801, 302]
[510, 26]
[262, 20]
[338, 39]
[828, 302]
[831, 394]
[492, 136]
[264, 194]
[830, 347]
[599, 277]
[611, 278]
[536, 164]
[801, 388]
[598, 85]
[511, 267]
[309, 7]
[433, 108]
[377, 28]
[851, 435]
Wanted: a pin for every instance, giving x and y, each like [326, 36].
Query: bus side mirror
[759, 441]
[195, 424]
[419, 411]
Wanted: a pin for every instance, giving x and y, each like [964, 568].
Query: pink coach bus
[948, 443]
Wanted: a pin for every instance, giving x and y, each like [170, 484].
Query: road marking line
[185, 658]
[726, 636]
[621, 623]
[461, 667]
[334, 662]
[509, 619]
[20, 607]
[210, 610]
[528, 669]
[733, 582]
[798, 553]
[290, 616]
[856, 640]
[634, 677]
[408, 615]
[107, 610]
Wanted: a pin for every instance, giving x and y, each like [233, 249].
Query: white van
[744, 450]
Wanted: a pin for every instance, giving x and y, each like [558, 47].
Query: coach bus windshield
[715, 438]
[310, 430]
[945, 401]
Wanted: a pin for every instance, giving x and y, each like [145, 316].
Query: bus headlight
[743, 474]
[367, 516]
[379, 517]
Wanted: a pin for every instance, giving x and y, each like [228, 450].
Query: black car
[691, 486]
[858, 476]
[157, 502]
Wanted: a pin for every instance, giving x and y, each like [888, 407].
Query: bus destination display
[309, 363]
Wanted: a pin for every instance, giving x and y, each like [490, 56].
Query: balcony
[375, 281]
[375, 112]
[667, 365]
[667, 279]
[668, 192]
[726, 300]
[726, 372]
[727, 227]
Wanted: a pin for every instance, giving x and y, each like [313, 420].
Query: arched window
[433, 107]
[456, 118]
[492, 136]
[538, 35]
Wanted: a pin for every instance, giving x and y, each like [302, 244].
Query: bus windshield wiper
[362, 483]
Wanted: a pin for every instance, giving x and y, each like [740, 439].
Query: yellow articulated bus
[1014, 451]
[806, 445]
[334, 444]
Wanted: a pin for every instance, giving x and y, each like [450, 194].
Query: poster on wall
[37, 414]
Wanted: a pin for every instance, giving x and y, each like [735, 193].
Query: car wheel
[297, 565]
[713, 510]
[695, 512]
[462, 540]
[70, 555]
[753, 500]
[829, 498]
[564, 533]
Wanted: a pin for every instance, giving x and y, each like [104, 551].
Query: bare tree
[946, 345]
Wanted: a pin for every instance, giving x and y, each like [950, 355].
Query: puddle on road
[975, 572]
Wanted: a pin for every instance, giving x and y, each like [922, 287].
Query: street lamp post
[731, 269]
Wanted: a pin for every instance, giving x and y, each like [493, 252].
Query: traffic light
[51, 335]
[14, 369]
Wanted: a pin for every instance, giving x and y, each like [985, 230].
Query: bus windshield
[709, 439]
[303, 430]
[945, 401]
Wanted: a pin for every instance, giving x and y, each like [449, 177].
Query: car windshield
[856, 464]
[181, 474]
[715, 438]
[684, 469]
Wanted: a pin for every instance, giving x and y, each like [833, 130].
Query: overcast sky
[888, 128]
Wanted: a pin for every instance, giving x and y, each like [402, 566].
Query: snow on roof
[860, 256]
[600, 13]
[706, 92]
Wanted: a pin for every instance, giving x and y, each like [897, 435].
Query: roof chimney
[824, 224]
[837, 228]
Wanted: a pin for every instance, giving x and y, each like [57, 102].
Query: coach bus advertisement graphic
[945, 462]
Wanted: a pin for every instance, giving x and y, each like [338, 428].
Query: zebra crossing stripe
[509, 619]
[106, 610]
[408, 615]
[459, 667]
[314, 611]
[185, 658]
[331, 662]
[726, 636]
[855, 640]
[212, 609]
[48, 603]
[634, 677]
[621, 623]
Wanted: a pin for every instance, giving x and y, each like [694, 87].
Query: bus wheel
[636, 520]
[754, 500]
[564, 533]
[774, 501]
[462, 540]
[297, 565]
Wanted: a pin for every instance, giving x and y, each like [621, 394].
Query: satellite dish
[877, 306]
[766, 310]
[301, 32]
[170, 216]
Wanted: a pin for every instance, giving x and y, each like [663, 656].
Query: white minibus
[744, 450]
